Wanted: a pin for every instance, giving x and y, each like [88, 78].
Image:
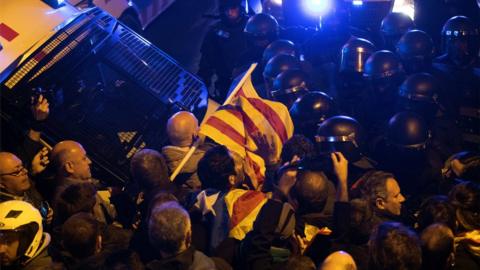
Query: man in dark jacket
[170, 233]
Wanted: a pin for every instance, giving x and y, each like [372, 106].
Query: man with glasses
[15, 184]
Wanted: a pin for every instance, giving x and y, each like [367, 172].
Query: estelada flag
[245, 115]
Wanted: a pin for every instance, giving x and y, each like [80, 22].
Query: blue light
[357, 2]
[316, 7]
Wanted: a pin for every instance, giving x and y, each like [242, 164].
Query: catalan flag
[244, 115]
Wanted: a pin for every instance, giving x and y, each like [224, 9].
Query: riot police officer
[403, 151]
[460, 66]
[384, 73]
[279, 46]
[275, 66]
[352, 86]
[289, 85]
[393, 26]
[221, 48]
[260, 30]
[309, 111]
[345, 134]
[416, 51]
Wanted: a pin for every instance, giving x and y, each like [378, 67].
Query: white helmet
[19, 216]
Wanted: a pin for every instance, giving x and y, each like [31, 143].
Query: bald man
[72, 167]
[15, 184]
[182, 130]
[339, 260]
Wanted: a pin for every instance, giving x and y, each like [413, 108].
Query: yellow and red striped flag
[237, 123]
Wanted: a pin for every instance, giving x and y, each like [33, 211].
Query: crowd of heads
[382, 172]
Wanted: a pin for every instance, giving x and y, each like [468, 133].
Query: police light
[404, 6]
[357, 2]
[316, 7]
[55, 3]
[277, 2]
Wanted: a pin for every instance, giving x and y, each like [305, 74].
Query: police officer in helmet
[221, 48]
[289, 85]
[460, 67]
[345, 134]
[310, 110]
[384, 74]
[393, 26]
[416, 51]
[277, 65]
[352, 86]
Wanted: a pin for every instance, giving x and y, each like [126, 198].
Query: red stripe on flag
[272, 118]
[7, 33]
[244, 205]
[233, 110]
[226, 129]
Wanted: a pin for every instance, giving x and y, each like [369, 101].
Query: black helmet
[354, 54]
[460, 28]
[312, 109]
[407, 130]
[419, 93]
[279, 46]
[396, 24]
[415, 48]
[393, 26]
[420, 87]
[262, 26]
[289, 85]
[339, 129]
[382, 64]
[280, 63]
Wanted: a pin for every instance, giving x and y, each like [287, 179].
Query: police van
[136, 14]
[108, 88]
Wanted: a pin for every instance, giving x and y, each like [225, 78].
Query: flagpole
[239, 85]
[200, 139]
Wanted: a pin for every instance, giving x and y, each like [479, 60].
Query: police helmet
[280, 63]
[262, 26]
[407, 130]
[415, 45]
[354, 54]
[396, 24]
[312, 109]
[382, 64]
[339, 129]
[279, 46]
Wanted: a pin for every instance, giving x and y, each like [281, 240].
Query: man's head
[13, 176]
[437, 247]
[71, 160]
[339, 260]
[393, 246]
[382, 191]
[182, 128]
[75, 198]
[312, 190]
[149, 169]
[169, 228]
[81, 235]
[217, 169]
[231, 11]
[436, 209]
[21, 232]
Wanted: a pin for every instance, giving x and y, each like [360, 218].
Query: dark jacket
[190, 259]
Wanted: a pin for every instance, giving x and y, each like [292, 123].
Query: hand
[340, 167]
[288, 178]
[40, 109]
[40, 161]
[49, 218]
[301, 243]
[265, 148]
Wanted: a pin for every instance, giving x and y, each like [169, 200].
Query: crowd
[383, 171]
